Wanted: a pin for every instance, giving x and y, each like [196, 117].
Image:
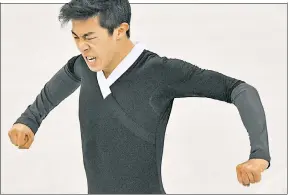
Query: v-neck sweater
[122, 134]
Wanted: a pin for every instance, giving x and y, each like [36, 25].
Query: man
[125, 100]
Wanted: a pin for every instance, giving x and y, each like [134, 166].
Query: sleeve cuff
[28, 122]
[261, 155]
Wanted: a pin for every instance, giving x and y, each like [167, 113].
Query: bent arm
[59, 87]
[189, 80]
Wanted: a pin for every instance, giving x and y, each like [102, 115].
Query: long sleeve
[188, 80]
[246, 98]
[59, 87]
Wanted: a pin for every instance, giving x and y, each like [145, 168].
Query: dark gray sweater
[122, 135]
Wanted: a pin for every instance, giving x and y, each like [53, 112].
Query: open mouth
[91, 59]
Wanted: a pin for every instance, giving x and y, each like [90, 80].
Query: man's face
[93, 41]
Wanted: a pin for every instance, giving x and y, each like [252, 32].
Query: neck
[122, 51]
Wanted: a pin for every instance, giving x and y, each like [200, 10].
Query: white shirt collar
[124, 65]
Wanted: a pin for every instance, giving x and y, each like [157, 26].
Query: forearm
[60, 86]
[247, 100]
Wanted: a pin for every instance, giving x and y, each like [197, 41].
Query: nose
[83, 46]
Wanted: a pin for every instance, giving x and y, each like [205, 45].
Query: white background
[205, 139]
[157, 1]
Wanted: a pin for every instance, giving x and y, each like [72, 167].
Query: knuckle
[10, 133]
[248, 168]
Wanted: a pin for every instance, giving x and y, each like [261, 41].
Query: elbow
[240, 89]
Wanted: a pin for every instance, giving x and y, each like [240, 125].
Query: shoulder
[170, 69]
[74, 66]
[78, 60]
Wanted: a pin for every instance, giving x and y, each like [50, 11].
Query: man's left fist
[250, 171]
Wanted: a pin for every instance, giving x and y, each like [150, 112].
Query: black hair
[111, 12]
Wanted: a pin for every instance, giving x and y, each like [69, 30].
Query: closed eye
[91, 38]
[87, 38]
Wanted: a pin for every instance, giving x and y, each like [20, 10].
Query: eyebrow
[85, 35]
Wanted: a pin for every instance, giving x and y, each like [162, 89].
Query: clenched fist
[250, 171]
[21, 136]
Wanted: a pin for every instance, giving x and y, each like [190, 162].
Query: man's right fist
[21, 136]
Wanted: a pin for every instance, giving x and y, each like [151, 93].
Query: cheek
[105, 55]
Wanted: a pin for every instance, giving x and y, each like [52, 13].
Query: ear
[121, 30]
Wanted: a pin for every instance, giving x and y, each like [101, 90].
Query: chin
[95, 69]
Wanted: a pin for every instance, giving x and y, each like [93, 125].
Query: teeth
[91, 59]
